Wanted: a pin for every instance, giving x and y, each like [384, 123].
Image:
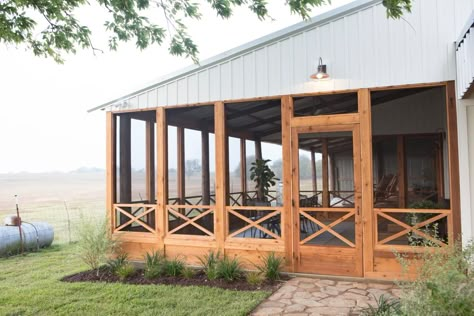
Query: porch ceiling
[262, 119]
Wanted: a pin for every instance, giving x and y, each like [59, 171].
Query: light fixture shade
[321, 73]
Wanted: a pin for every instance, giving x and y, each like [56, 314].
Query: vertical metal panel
[214, 84]
[249, 75]
[162, 95]
[352, 50]
[261, 69]
[172, 91]
[299, 68]
[193, 86]
[183, 90]
[237, 72]
[143, 101]
[313, 50]
[153, 98]
[226, 81]
[286, 65]
[274, 69]
[203, 83]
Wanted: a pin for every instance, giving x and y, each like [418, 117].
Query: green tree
[50, 28]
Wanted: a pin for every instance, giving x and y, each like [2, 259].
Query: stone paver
[308, 296]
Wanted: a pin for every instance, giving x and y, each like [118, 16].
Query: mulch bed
[199, 279]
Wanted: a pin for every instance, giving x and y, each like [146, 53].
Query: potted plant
[264, 178]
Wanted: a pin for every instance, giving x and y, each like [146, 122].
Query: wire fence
[64, 216]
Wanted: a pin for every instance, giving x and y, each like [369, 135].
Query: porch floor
[308, 296]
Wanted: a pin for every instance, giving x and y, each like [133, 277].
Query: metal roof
[273, 37]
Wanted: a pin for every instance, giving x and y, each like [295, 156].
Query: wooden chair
[386, 188]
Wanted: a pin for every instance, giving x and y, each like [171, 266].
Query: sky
[44, 124]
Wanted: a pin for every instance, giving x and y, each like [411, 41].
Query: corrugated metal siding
[361, 49]
[465, 60]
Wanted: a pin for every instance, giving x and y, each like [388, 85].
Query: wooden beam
[205, 176]
[125, 160]
[368, 218]
[314, 176]
[289, 228]
[325, 164]
[332, 164]
[110, 163]
[181, 165]
[454, 186]
[220, 215]
[440, 168]
[243, 169]
[402, 172]
[201, 126]
[325, 120]
[161, 175]
[258, 149]
[150, 161]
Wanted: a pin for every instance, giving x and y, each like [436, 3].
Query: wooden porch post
[402, 171]
[162, 175]
[314, 175]
[332, 164]
[110, 168]
[289, 228]
[150, 162]
[258, 149]
[243, 170]
[125, 160]
[181, 180]
[325, 166]
[368, 224]
[206, 187]
[220, 215]
[452, 131]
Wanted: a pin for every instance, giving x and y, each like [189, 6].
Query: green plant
[154, 265]
[431, 229]
[174, 267]
[95, 242]
[229, 269]
[444, 284]
[263, 177]
[187, 273]
[384, 307]
[120, 260]
[271, 266]
[125, 271]
[254, 278]
[209, 264]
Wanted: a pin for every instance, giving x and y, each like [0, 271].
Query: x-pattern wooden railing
[343, 196]
[417, 228]
[327, 227]
[148, 209]
[174, 210]
[256, 222]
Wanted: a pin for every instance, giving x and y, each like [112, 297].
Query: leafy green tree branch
[21, 20]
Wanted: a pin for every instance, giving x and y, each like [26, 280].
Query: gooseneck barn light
[322, 71]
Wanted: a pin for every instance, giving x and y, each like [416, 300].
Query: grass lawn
[29, 285]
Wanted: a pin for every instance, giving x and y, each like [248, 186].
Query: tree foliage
[51, 29]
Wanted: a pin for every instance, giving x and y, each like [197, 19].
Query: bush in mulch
[198, 279]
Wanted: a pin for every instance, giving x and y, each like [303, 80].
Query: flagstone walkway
[308, 296]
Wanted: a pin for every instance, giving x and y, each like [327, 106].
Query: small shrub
[229, 269]
[125, 271]
[187, 273]
[174, 267]
[95, 243]
[118, 262]
[154, 265]
[254, 278]
[444, 283]
[384, 307]
[209, 263]
[271, 266]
